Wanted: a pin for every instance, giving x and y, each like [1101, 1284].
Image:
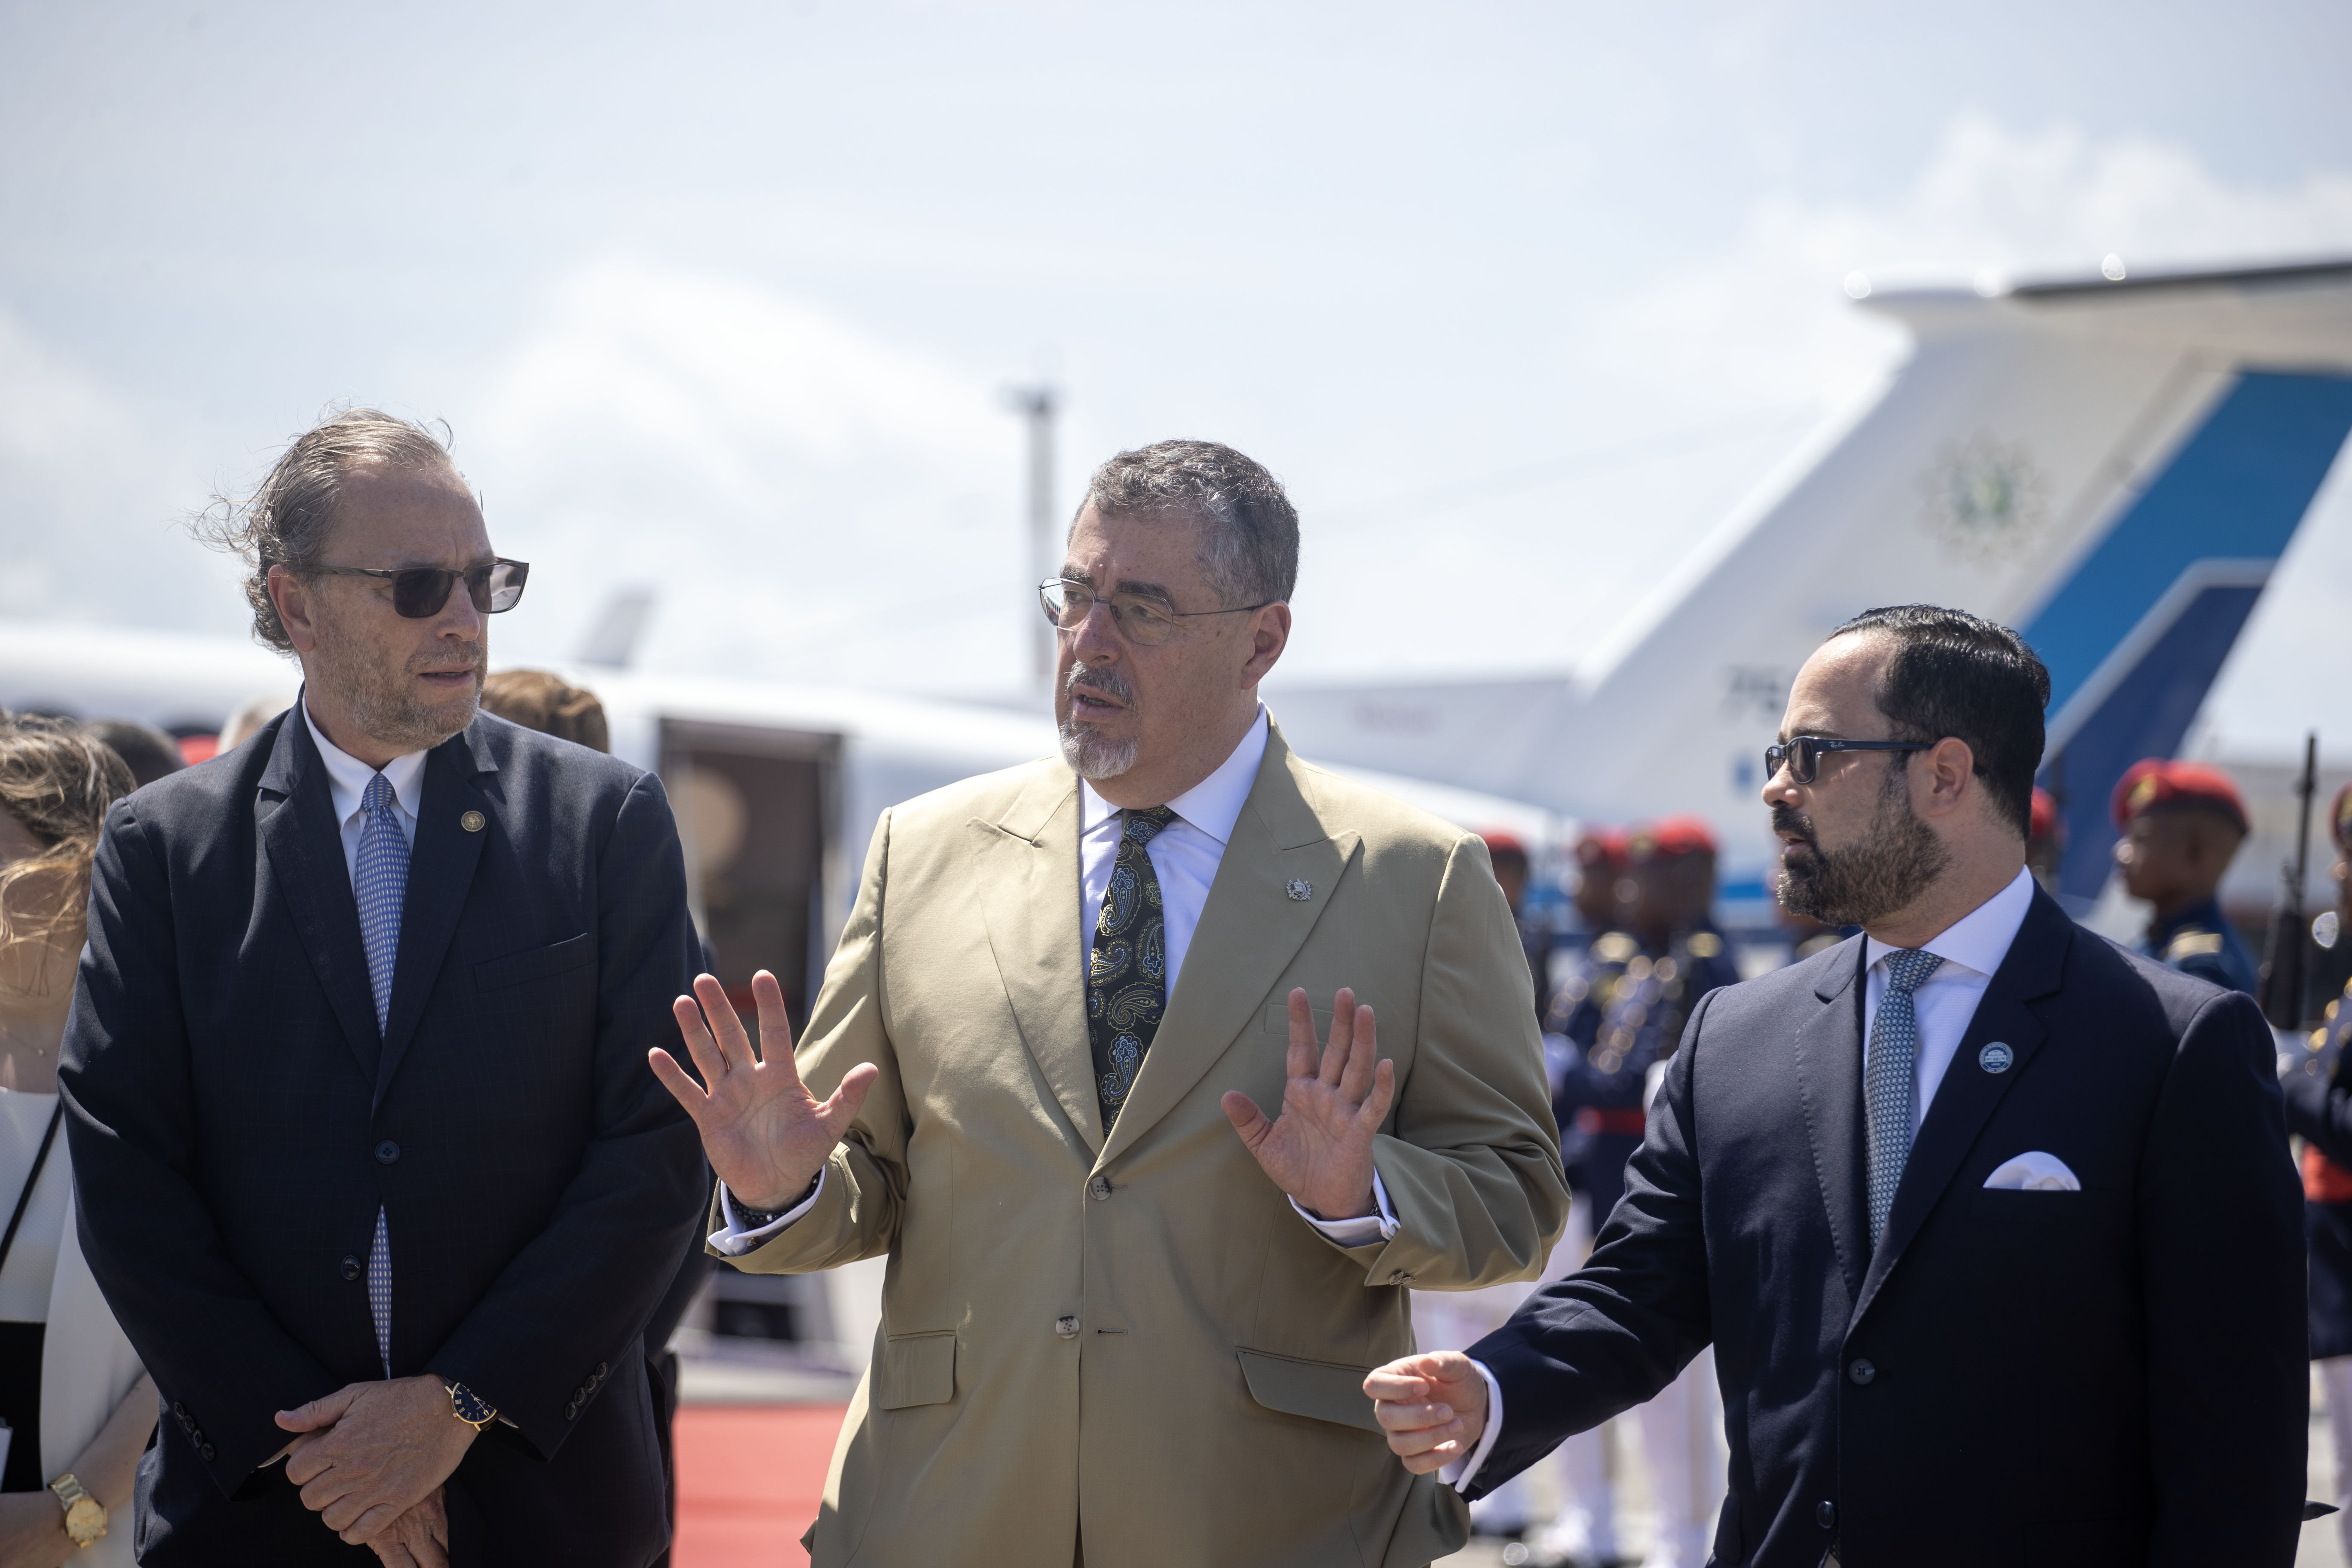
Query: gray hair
[284, 523]
[1249, 541]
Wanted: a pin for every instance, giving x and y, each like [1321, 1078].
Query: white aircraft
[2112, 466]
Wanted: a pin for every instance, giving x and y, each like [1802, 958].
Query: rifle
[2284, 966]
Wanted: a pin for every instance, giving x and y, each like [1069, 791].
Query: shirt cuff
[735, 1241]
[1461, 1472]
[1363, 1230]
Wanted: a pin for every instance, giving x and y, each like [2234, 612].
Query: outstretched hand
[1433, 1407]
[765, 1134]
[1319, 1149]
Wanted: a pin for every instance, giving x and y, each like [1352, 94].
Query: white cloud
[798, 485]
[92, 491]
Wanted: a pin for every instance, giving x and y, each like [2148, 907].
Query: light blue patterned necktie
[1891, 1089]
[380, 884]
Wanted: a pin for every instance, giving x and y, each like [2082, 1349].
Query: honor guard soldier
[1645, 982]
[2182, 823]
[1509, 855]
[2045, 841]
[2319, 1111]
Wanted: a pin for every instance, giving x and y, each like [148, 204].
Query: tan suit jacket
[1143, 1339]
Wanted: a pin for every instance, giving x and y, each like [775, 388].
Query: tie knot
[1908, 967]
[378, 796]
[1144, 823]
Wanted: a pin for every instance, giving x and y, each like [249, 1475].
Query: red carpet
[749, 1480]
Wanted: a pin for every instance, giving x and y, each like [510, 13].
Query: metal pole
[1039, 404]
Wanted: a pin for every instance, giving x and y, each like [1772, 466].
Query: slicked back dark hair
[1961, 675]
[1249, 530]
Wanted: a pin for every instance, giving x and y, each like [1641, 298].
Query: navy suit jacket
[2109, 1376]
[236, 1120]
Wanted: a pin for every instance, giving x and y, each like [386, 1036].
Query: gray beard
[1887, 872]
[1091, 757]
[384, 711]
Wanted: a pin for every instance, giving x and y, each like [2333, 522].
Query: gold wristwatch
[85, 1515]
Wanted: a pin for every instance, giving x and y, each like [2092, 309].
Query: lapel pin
[1996, 1058]
[1300, 890]
[472, 820]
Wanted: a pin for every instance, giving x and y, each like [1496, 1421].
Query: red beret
[1501, 841]
[2046, 822]
[1601, 846]
[2157, 785]
[2340, 819]
[1673, 836]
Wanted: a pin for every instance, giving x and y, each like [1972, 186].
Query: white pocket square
[2035, 1173]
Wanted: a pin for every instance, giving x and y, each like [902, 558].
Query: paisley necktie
[1891, 1083]
[1127, 980]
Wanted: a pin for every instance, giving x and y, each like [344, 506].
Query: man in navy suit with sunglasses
[1989, 1222]
[368, 1162]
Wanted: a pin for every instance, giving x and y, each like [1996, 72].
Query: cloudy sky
[723, 299]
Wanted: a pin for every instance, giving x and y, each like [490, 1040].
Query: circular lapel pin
[1300, 891]
[1996, 1058]
[472, 820]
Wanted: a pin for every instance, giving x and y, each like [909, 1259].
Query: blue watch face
[469, 1405]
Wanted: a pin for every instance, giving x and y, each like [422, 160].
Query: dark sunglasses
[421, 591]
[1802, 754]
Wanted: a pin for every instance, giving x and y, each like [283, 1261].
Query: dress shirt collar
[347, 776]
[1214, 804]
[1981, 938]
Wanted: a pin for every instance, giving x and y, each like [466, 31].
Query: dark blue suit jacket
[2103, 1377]
[236, 1120]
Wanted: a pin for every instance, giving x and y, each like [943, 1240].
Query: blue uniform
[2319, 1109]
[1625, 1013]
[2201, 941]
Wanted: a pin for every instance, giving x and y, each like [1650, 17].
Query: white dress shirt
[1945, 1002]
[1184, 856]
[347, 782]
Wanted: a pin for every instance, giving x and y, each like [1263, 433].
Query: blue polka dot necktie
[1127, 980]
[1891, 1087]
[380, 884]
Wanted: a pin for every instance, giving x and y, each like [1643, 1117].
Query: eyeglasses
[421, 591]
[1802, 754]
[1145, 622]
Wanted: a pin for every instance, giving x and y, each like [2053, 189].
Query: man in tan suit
[1129, 1315]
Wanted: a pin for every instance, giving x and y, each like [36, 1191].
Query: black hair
[1961, 675]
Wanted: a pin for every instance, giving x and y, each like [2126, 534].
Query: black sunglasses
[421, 591]
[1802, 754]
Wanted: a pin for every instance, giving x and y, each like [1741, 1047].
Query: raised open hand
[1319, 1150]
[766, 1135]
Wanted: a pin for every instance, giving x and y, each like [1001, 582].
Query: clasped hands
[767, 1136]
[371, 1461]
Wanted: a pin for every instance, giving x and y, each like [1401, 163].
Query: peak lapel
[1829, 1084]
[1966, 1097]
[1029, 893]
[440, 873]
[1250, 928]
[305, 846]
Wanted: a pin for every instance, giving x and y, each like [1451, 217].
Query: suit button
[207, 1452]
[180, 1410]
[387, 1152]
[1398, 1277]
[350, 1266]
[1860, 1370]
[1826, 1516]
[600, 1374]
[1067, 1327]
[1099, 1187]
[571, 1411]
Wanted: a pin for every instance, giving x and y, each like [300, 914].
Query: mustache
[1104, 679]
[1787, 819]
[437, 662]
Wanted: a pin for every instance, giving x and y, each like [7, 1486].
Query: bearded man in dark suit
[1989, 1222]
